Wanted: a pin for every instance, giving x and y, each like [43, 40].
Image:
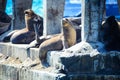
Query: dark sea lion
[38, 39]
[111, 34]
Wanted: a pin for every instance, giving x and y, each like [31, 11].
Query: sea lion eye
[26, 12]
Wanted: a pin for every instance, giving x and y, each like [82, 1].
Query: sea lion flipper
[8, 36]
[36, 32]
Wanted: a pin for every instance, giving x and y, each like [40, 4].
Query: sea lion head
[66, 23]
[32, 19]
[29, 13]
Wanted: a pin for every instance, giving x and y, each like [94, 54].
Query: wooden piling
[53, 14]
[91, 19]
[18, 12]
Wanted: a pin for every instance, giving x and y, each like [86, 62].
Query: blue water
[72, 7]
[35, 7]
[9, 7]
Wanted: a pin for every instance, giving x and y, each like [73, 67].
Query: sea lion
[76, 22]
[27, 35]
[111, 34]
[64, 40]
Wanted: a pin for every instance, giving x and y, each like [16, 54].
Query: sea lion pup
[27, 35]
[111, 34]
[64, 40]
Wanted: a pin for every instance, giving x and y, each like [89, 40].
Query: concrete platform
[18, 51]
[16, 63]
[86, 60]
[13, 73]
[14, 69]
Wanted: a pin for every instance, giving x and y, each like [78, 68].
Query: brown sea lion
[76, 24]
[27, 35]
[64, 40]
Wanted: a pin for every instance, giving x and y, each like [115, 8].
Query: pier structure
[84, 61]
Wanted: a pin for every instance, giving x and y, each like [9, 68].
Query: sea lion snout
[25, 12]
[29, 12]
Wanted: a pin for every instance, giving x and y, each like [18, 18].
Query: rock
[90, 58]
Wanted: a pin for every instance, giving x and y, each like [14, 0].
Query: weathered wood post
[92, 12]
[18, 12]
[118, 1]
[53, 14]
[3, 5]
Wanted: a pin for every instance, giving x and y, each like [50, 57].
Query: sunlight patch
[75, 1]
